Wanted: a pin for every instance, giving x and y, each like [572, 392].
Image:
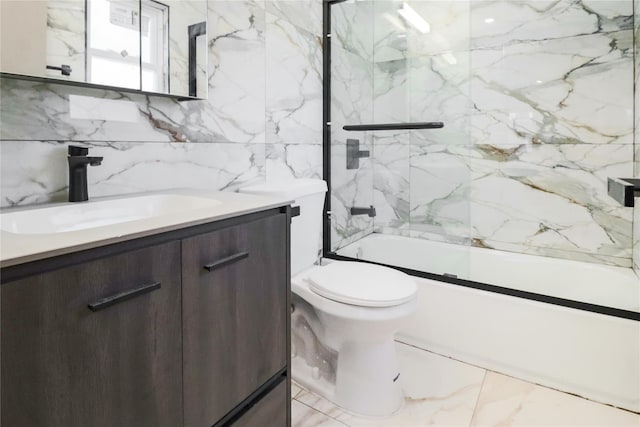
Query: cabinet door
[270, 411]
[64, 364]
[234, 316]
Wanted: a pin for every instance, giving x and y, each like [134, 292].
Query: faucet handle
[74, 150]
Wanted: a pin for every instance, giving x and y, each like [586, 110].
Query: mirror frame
[96, 86]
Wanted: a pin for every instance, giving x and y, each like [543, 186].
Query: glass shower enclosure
[464, 138]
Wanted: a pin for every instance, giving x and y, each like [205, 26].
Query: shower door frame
[326, 219]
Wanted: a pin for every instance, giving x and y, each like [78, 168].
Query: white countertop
[18, 248]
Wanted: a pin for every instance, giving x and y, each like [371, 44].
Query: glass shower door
[402, 64]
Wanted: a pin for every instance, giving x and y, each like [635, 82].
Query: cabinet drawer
[234, 315]
[270, 411]
[96, 344]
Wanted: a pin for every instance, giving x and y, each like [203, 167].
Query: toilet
[345, 313]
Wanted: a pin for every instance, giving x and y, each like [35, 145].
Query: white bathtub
[593, 355]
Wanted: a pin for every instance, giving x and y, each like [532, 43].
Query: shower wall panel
[422, 78]
[351, 95]
[538, 112]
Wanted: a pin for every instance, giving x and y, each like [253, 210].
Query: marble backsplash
[537, 98]
[261, 117]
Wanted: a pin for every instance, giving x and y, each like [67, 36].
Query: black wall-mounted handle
[194, 31]
[395, 126]
[624, 190]
[103, 303]
[370, 211]
[226, 261]
[64, 69]
[354, 154]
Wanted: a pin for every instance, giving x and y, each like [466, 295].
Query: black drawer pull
[123, 296]
[226, 261]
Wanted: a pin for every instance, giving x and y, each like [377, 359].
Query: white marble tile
[574, 90]
[396, 38]
[438, 391]
[304, 14]
[544, 199]
[426, 89]
[440, 92]
[550, 251]
[287, 161]
[36, 172]
[506, 401]
[295, 389]
[391, 184]
[351, 91]
[551, 197]
[392, 89]
[440, 192]
[502, 22]
[304, 416]
[348, 31]
[350, 188]
[40, 111]
[236, 70]
[294, 89]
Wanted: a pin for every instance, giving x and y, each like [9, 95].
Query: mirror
[135, 45]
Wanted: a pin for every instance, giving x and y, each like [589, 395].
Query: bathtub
[593, 355]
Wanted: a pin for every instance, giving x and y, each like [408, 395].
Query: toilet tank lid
[291, 189]
[362, 284]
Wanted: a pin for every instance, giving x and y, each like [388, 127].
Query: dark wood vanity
[183, 328]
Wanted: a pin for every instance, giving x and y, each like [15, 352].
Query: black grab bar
[395, 126]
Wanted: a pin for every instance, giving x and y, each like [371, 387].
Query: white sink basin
[82, 216]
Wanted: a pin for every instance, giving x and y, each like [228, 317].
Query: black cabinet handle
[123, 296]
[65, 70]
[226, 261]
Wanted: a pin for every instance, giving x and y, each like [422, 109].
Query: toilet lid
[362, 284]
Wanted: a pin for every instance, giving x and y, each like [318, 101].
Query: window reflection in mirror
[154, 40]
[113, 43]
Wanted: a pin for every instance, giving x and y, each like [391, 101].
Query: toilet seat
[361, 284]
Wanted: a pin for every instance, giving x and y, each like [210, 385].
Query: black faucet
[78, 162]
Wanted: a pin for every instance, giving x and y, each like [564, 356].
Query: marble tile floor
[444, 392]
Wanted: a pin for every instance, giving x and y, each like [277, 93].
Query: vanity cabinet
[184, 328]
[64, 364]
[270, 411]
[235, 316]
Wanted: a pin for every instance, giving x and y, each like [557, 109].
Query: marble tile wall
[351, 95]
[537, 100]
[262, 117]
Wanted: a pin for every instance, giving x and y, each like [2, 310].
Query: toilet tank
[306, 229]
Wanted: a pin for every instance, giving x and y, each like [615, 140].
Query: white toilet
[345, 313]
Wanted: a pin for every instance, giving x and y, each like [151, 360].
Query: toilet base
[367, 379]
